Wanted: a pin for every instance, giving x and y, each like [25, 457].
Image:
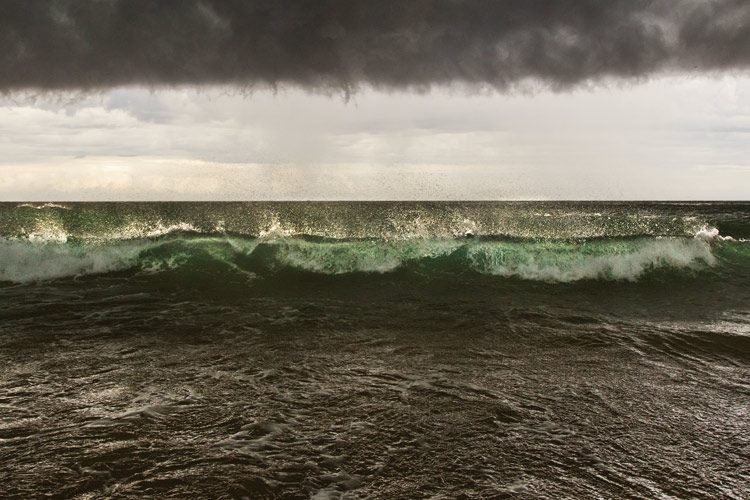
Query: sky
[443, 99]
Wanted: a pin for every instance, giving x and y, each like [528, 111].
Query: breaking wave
[546, 242]
[624, 259]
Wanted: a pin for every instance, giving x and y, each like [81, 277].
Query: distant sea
[375, 350]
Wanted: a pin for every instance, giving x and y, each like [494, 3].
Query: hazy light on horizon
[669, 138]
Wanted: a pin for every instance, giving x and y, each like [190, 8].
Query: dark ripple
[238, 408]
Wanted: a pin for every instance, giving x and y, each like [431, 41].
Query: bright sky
[667, 138]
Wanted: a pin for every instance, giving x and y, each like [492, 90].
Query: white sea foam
[40, 206]
[25, 261]
[566, 265]
[48, 234]
[135, 231]
[707, 234]
[711, 234]
[276, 230]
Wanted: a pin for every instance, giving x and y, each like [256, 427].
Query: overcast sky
[624, 102]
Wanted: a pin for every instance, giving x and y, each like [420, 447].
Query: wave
[106, 222]
[618, 259]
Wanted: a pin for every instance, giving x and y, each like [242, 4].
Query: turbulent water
[386, 350]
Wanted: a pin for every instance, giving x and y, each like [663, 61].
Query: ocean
[375, 350]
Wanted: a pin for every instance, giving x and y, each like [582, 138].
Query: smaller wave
[376, 256]
[41, 206]
[29, 260]
[624, 261]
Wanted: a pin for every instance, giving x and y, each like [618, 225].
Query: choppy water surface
[375, 350]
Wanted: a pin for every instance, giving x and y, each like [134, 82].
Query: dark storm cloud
[88, 44]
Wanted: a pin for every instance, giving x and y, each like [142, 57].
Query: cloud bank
[345, 44]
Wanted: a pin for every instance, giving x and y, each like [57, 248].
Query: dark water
[375, 350]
